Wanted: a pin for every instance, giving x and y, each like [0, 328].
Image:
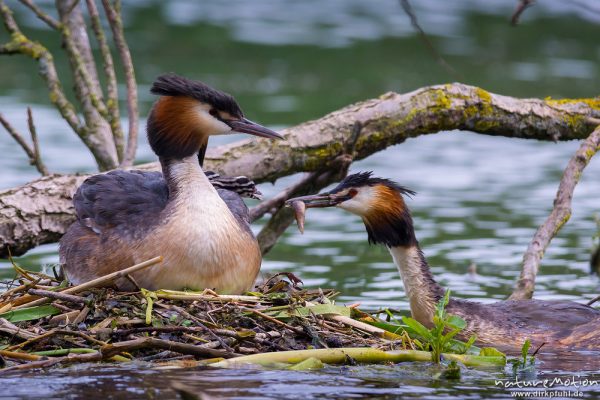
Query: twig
[275, 321]
[37, 158]
[18, 138]
[11, 329]
[51, 22]
[149, 342]
[200, 324]
[437, 56]
[18, 356]
[69, 298]
[592, 301]
[112, 102]
[71, 358]
[560, 214]
[103, 280]
[521, 6]
[116, 25]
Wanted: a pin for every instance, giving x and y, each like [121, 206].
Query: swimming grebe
[126, 217]
[504, 324]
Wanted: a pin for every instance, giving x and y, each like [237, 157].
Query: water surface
[479, 198]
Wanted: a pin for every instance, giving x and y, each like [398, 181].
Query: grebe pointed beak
[319, 200]
[246, 126]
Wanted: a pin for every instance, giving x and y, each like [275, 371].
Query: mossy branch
[316, 145]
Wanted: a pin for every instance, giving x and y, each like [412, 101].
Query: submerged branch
[40, 211]
[559, 216]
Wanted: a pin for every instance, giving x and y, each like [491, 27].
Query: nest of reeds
[45, 322]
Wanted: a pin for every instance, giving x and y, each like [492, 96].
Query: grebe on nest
[126, 217]
[505, 324]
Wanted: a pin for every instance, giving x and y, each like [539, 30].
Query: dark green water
[479, 198]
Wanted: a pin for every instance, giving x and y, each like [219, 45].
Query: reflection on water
[360, 382]
[479, 198]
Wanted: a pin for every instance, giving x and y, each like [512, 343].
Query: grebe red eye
[352, 192]
[213, 112]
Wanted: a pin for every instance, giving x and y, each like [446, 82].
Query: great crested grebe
[504, 324]
[126, 217]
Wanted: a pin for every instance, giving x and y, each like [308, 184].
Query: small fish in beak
[300, 204]
[299, 212]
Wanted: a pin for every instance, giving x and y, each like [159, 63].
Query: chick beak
[244, 125]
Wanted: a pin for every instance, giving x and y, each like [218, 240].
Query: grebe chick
[126, 217]
[504, 324]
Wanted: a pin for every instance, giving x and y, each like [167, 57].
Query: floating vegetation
[45, 322]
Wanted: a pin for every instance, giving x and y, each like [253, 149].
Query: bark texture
[40, 211]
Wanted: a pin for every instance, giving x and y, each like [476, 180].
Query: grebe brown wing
[238, 208]
[129, 199]
[121, 200]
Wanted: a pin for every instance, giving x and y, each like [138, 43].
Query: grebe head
[377, 201]
[189, 111]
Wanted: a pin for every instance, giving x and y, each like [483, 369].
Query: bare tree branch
[87, 88]
[37, 158]
[18, 138]
[51, 22]
[521, 6]
[558, 217]
[116, 25]
[32, 153]
[112, 103]
[20, 44]
[436, 55]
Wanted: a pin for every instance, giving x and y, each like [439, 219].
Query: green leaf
[386, 326]
[456, 322]
[491, 352]
[441, 305]
[318, 309]
[525, 350]
[450, 335]
[30, 313]
[419, 328]
[309, 364]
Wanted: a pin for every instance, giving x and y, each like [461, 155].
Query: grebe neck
[422, 290]
[185, 177]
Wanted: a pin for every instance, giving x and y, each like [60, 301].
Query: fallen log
[40, 211]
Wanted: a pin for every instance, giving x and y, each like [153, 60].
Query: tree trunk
[40, 211]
